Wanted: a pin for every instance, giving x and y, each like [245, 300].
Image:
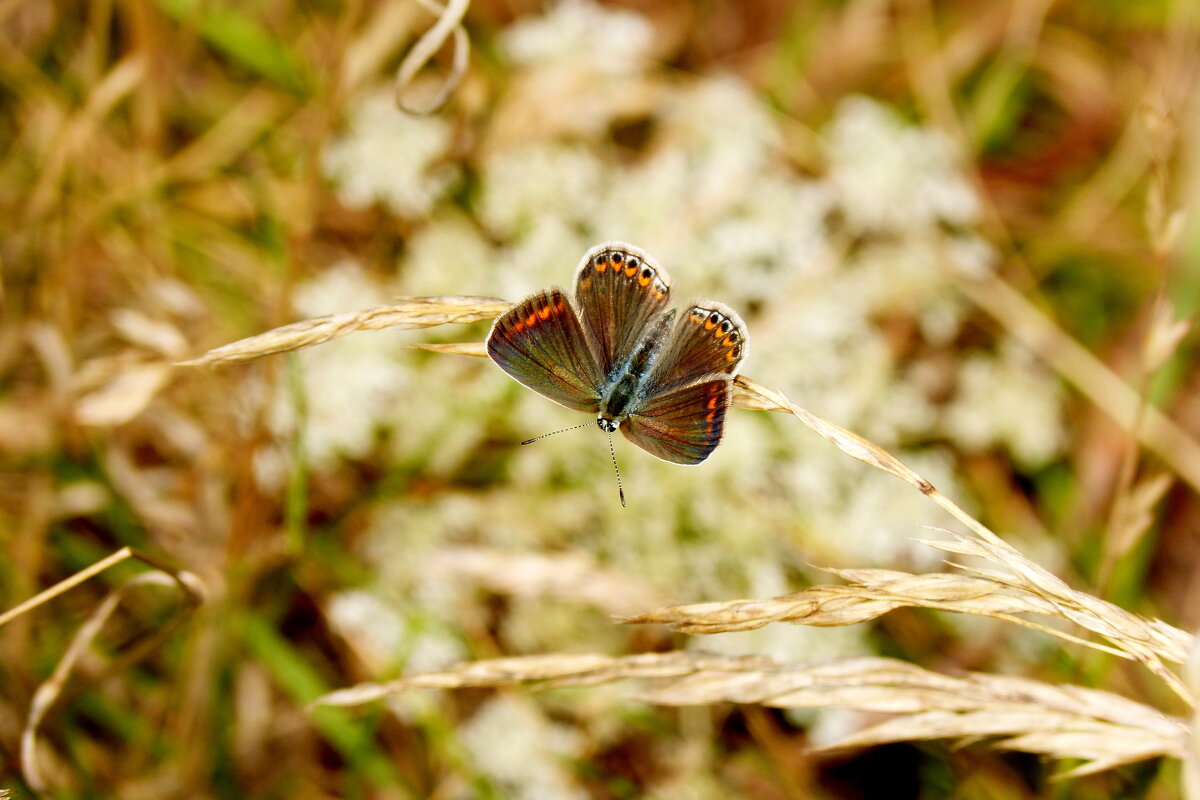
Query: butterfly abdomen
[626, 388]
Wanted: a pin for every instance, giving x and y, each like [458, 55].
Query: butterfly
[615, 350]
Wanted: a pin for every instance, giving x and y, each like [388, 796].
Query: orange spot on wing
[519, 326]
[544, 312]
[712, 401]
[645, 281]
[709, 418]
[531, 320]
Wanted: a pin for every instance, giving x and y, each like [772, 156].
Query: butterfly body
[628, 383]
[662, 379]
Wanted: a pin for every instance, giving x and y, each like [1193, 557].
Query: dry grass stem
[874, 593]
[761, 398]
[477, 349]
[52, 688]
[1148, 641]
[188, 584]
[1067, 357]
[410, 312]
[1132, 517]
[1101, 729]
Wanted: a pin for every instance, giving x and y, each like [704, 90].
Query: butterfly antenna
[612, 452]
[554, 433]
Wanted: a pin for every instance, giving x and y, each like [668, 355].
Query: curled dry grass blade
[449, 24]
[1101, 729]
[192, 591]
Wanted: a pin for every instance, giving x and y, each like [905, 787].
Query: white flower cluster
[348, 385]
[894, 177]
[579, 30]
[391, 157]
[842, 277]
[511, 741]
[1007, 401]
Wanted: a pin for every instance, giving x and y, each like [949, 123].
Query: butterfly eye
[732, 338]
[726, 327]
[617, 257]
[600, 261]
[633, 261]
[698, 315]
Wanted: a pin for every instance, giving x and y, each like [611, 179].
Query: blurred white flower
[448, 256]
[524, 185]
[512, 743]
[606, 39]
[350, 385]
[850, 319]
[1007, 400]
[894, 176]
[726, 135]
[970, 256]
[392, 157]
[371, 625]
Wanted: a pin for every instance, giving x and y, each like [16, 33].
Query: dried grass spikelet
[1101, 729]
[112, 391]
[408, 312]
[1004, 595]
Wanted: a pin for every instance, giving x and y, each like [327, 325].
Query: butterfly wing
[541, 344]
[709, 338]
[683, 425]
[620, 291]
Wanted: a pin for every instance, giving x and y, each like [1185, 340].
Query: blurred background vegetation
[960, 229]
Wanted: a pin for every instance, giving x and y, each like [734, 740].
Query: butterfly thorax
[625, 388]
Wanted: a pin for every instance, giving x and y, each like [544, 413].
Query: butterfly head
[608, 424]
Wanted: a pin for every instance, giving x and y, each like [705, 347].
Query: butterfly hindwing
[709, 338]
[683, 425]
[541, 344]
[620, 291]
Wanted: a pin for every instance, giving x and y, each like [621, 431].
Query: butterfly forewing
[683, 425]
[619, 292]
[541, 344]
[709, 338]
